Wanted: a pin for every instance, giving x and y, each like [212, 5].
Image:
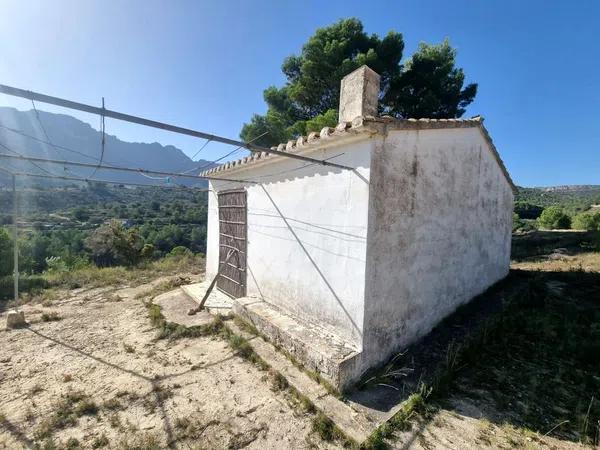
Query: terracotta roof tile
[366, 125]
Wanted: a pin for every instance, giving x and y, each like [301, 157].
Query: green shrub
[81, 214]
[180, 250]
[111, 244]
[587, 221]
[27, 283]
[55, 264]
[51, 317]
[523, 224]
[553, 218]
[147, 251]
[526, 210]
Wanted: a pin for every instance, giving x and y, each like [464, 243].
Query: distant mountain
[572, 188]
[82, 143]
[574, 198]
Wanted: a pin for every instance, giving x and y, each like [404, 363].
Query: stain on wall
[440, 221]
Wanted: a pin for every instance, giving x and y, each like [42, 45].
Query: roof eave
[359, 128]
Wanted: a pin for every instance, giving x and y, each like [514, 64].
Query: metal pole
[16, 244]
[9, 90]
[99, 180]
[115, 168]
[198, 308]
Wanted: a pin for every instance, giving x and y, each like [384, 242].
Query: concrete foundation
[317, 349]
[216, 303]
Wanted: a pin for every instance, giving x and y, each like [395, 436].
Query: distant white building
[343, 268]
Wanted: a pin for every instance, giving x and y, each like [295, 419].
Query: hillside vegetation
[559, 207]
[72, 228]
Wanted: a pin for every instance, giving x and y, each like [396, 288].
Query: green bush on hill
[527, 210]
[180, 251]
[111, 244]
[523, 224]
[553, 218]
[587, 221]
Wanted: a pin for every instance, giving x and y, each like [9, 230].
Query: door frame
[226, 282]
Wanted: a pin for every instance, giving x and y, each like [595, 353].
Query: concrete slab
[217, 302]
[175, 306]
[316, 348]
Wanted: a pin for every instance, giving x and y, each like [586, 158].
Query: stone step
[217, 302]
[175, 305]
[317, 349]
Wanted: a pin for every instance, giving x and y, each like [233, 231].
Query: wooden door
[232, 242]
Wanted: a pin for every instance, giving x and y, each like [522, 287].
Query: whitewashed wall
[307, 235]
[439, 232]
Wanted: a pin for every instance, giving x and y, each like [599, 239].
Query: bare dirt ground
[94, 376]
[465, 427]
[97, 378]
[538, 387]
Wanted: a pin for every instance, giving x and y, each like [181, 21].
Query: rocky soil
[96, 377]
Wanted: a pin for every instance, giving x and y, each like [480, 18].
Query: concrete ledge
[357, 424]
[217, 302]
[317, 349]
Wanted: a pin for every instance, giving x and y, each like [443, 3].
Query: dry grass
[51, 285]
[72, 406]
[50, 317]
[530, 367]
[92, 276]
[586, 262]
[172, 331]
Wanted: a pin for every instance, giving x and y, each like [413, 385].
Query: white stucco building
[346, 267]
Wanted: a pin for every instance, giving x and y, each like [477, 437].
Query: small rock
[559, 256]
[15, 319]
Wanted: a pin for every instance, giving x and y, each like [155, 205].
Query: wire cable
[39, 120]
[231, 152]
[123, 183]
[116, 168]
[9, 90]
[102, 142]
[272, 174]
[106, 161]
[37, 115]
[201, 148]
[196, 154]
[23, 156]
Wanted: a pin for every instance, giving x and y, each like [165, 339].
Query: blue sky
[205, 64]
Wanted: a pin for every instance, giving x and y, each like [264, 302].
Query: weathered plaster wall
[307, 233]
[212, 232]
[439, 232]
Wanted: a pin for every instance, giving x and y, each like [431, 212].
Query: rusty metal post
[198, 308]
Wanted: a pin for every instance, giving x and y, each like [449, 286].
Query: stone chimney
[359, 94]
